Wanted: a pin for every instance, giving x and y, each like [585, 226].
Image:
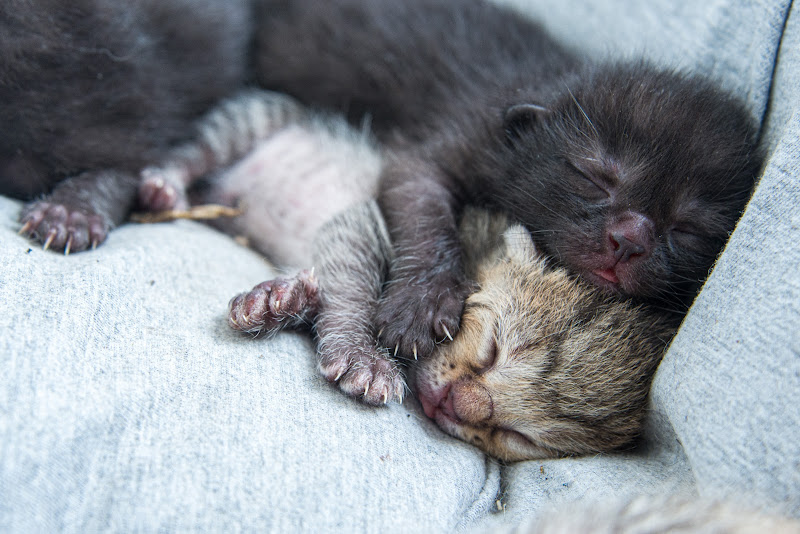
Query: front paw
[59, 227]
[413, 318]
[162, 189]
[274, 305]
[363, 372]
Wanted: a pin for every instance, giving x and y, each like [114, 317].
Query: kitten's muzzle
[471, 402]
[463, 402]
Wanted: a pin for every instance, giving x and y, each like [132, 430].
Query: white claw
[415, 351]
[68, 247]
[50, 237]
[396, 348]
[447, 333]
[26, 228]
[339, 376]
[366, 390]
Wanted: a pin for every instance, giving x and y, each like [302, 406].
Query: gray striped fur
[224, 136]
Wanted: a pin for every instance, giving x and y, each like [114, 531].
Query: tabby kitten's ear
[519, 244]
[521, 117]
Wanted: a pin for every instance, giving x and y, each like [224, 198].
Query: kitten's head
[631, 177]
[544, 365]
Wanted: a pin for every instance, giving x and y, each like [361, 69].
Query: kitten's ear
[520, 117]
[519, 244]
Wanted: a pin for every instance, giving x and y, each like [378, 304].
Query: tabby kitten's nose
[472, 402]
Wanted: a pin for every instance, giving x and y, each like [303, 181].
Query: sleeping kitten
[92, 90]
[627, 175]
[544, 365]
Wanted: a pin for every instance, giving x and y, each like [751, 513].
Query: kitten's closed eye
[487, 358]
[686, 235]
[591, 185]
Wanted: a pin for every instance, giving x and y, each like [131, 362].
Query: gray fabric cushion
[126, 403]
[732, 41]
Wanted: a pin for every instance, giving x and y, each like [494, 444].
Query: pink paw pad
[163, 189]
[366, 373]
[58, 227]
[274, 305]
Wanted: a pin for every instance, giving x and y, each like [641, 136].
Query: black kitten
[92, 90]
[629, 176]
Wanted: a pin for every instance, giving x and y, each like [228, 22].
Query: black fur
[628, 175]
[98, 88]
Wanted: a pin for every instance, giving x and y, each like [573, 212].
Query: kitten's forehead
[678, 124]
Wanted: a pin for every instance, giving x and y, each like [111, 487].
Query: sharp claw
[396, 348]
[50, 236]
[415, 351]
[277, 305]
[339, 376]
[94, 244]
[447, 333]
[26, 228]
[366, 390]
[385, 397]
[69, 245]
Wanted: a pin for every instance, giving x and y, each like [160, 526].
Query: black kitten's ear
[520, 117]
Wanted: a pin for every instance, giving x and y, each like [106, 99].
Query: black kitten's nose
[631, 236]
[624, 248]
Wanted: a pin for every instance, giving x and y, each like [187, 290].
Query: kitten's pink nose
[471, 402]
[631, 236]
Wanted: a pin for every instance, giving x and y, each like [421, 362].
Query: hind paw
[59, 227]
[274, 305]
[163, 189]
[367, 374]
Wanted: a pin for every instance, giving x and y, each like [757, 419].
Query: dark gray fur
[92, 90]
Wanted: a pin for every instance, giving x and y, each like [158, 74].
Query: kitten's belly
[292, 183]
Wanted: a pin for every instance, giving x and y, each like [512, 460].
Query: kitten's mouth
[612, 275]
[607, 279]
[609, 275]
[440, 412]
[431, 407]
